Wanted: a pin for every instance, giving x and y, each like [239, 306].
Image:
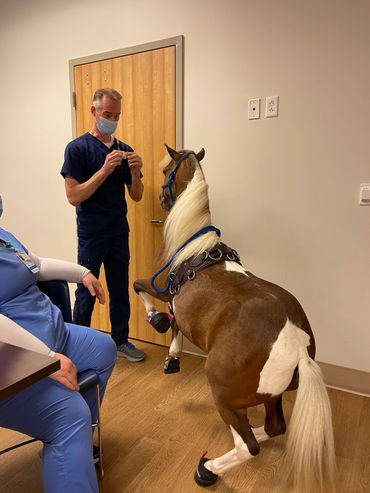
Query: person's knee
[110, 350]
[107, 351]
[70, 417]
[78, 411]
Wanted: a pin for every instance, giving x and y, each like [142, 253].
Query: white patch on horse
[176, 345]
[236, 456]
[147, 301]
[285, 353]
[235, 267]
[260, 434]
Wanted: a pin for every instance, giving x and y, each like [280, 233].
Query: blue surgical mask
[106, 127]
[1, 206]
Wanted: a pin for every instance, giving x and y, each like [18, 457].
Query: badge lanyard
[24, 258]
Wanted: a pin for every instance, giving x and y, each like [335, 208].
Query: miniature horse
[256, 335]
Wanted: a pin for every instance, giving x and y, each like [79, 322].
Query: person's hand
[67, 374]
[95, 288]
[135, 163]
[112, 160]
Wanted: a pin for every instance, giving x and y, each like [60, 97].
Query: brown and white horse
[256, 335]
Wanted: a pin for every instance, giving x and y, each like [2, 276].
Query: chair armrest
[87, 379]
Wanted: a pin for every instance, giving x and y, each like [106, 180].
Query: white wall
[284, 191]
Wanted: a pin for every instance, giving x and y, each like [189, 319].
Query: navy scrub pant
[113, 253]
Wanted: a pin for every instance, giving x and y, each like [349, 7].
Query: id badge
[28, 262]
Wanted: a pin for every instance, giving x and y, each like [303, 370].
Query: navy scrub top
[104, 213]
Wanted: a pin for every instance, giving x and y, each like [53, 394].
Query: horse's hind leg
[246, 447]
[274, 421]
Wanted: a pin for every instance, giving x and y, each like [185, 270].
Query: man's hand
[135, 163]
[95, 288]
[112, 160]
[67, 374]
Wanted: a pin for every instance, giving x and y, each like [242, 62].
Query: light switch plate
[364, 194]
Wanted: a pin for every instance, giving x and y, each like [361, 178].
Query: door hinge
[74, 100]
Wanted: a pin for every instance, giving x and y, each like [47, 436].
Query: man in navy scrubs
[96, 169]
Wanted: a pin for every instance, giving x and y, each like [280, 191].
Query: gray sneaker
[129, 351]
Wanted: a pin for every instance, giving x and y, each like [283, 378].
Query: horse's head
[177, 174]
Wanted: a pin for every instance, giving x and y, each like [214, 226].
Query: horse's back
[222, 304]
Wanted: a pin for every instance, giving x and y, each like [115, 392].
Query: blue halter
[172, 175]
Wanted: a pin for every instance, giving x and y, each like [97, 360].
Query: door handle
[157, 221]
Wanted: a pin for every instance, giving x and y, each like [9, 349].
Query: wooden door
[147, 83]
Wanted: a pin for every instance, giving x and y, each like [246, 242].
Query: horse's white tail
[310, 455]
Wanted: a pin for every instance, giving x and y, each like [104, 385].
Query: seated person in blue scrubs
[52, 409]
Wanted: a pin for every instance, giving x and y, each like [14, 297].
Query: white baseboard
[347, 379]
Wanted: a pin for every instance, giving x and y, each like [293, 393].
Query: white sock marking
[236, 456]
[260, 434]
[146, 301]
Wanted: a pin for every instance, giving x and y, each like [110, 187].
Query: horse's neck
[189, 215]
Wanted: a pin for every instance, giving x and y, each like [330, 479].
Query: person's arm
[79, 192]
[136, 188]
[12, 333]
[51, 269]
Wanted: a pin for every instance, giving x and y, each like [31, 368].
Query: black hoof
[171, 365]
[160, 321]
[203, 476]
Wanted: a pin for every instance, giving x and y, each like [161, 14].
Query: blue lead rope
[201, 232]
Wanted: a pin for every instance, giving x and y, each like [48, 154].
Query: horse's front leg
[161, 321]
[172, 362]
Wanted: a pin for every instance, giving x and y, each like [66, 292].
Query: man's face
[108, 108]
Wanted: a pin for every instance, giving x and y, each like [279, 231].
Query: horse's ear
[200, 154]
[175, 155]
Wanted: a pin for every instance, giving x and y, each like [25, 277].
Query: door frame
[176, 41]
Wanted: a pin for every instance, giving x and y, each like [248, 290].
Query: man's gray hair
[100, 93]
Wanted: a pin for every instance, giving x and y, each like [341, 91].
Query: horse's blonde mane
[189, 214]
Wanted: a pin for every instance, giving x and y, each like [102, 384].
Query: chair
[58, 292]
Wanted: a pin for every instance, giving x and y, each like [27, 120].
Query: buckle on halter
[213, 256]
[174, 290]
[236, 254]
[191, 275]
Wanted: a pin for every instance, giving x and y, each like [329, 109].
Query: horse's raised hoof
[160, 321]
[172, 364]
[203, 476]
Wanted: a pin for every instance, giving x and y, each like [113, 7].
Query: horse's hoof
[160, 321]
[203, 476]
[172, 365]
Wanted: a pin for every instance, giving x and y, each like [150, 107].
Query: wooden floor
[157, 426]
